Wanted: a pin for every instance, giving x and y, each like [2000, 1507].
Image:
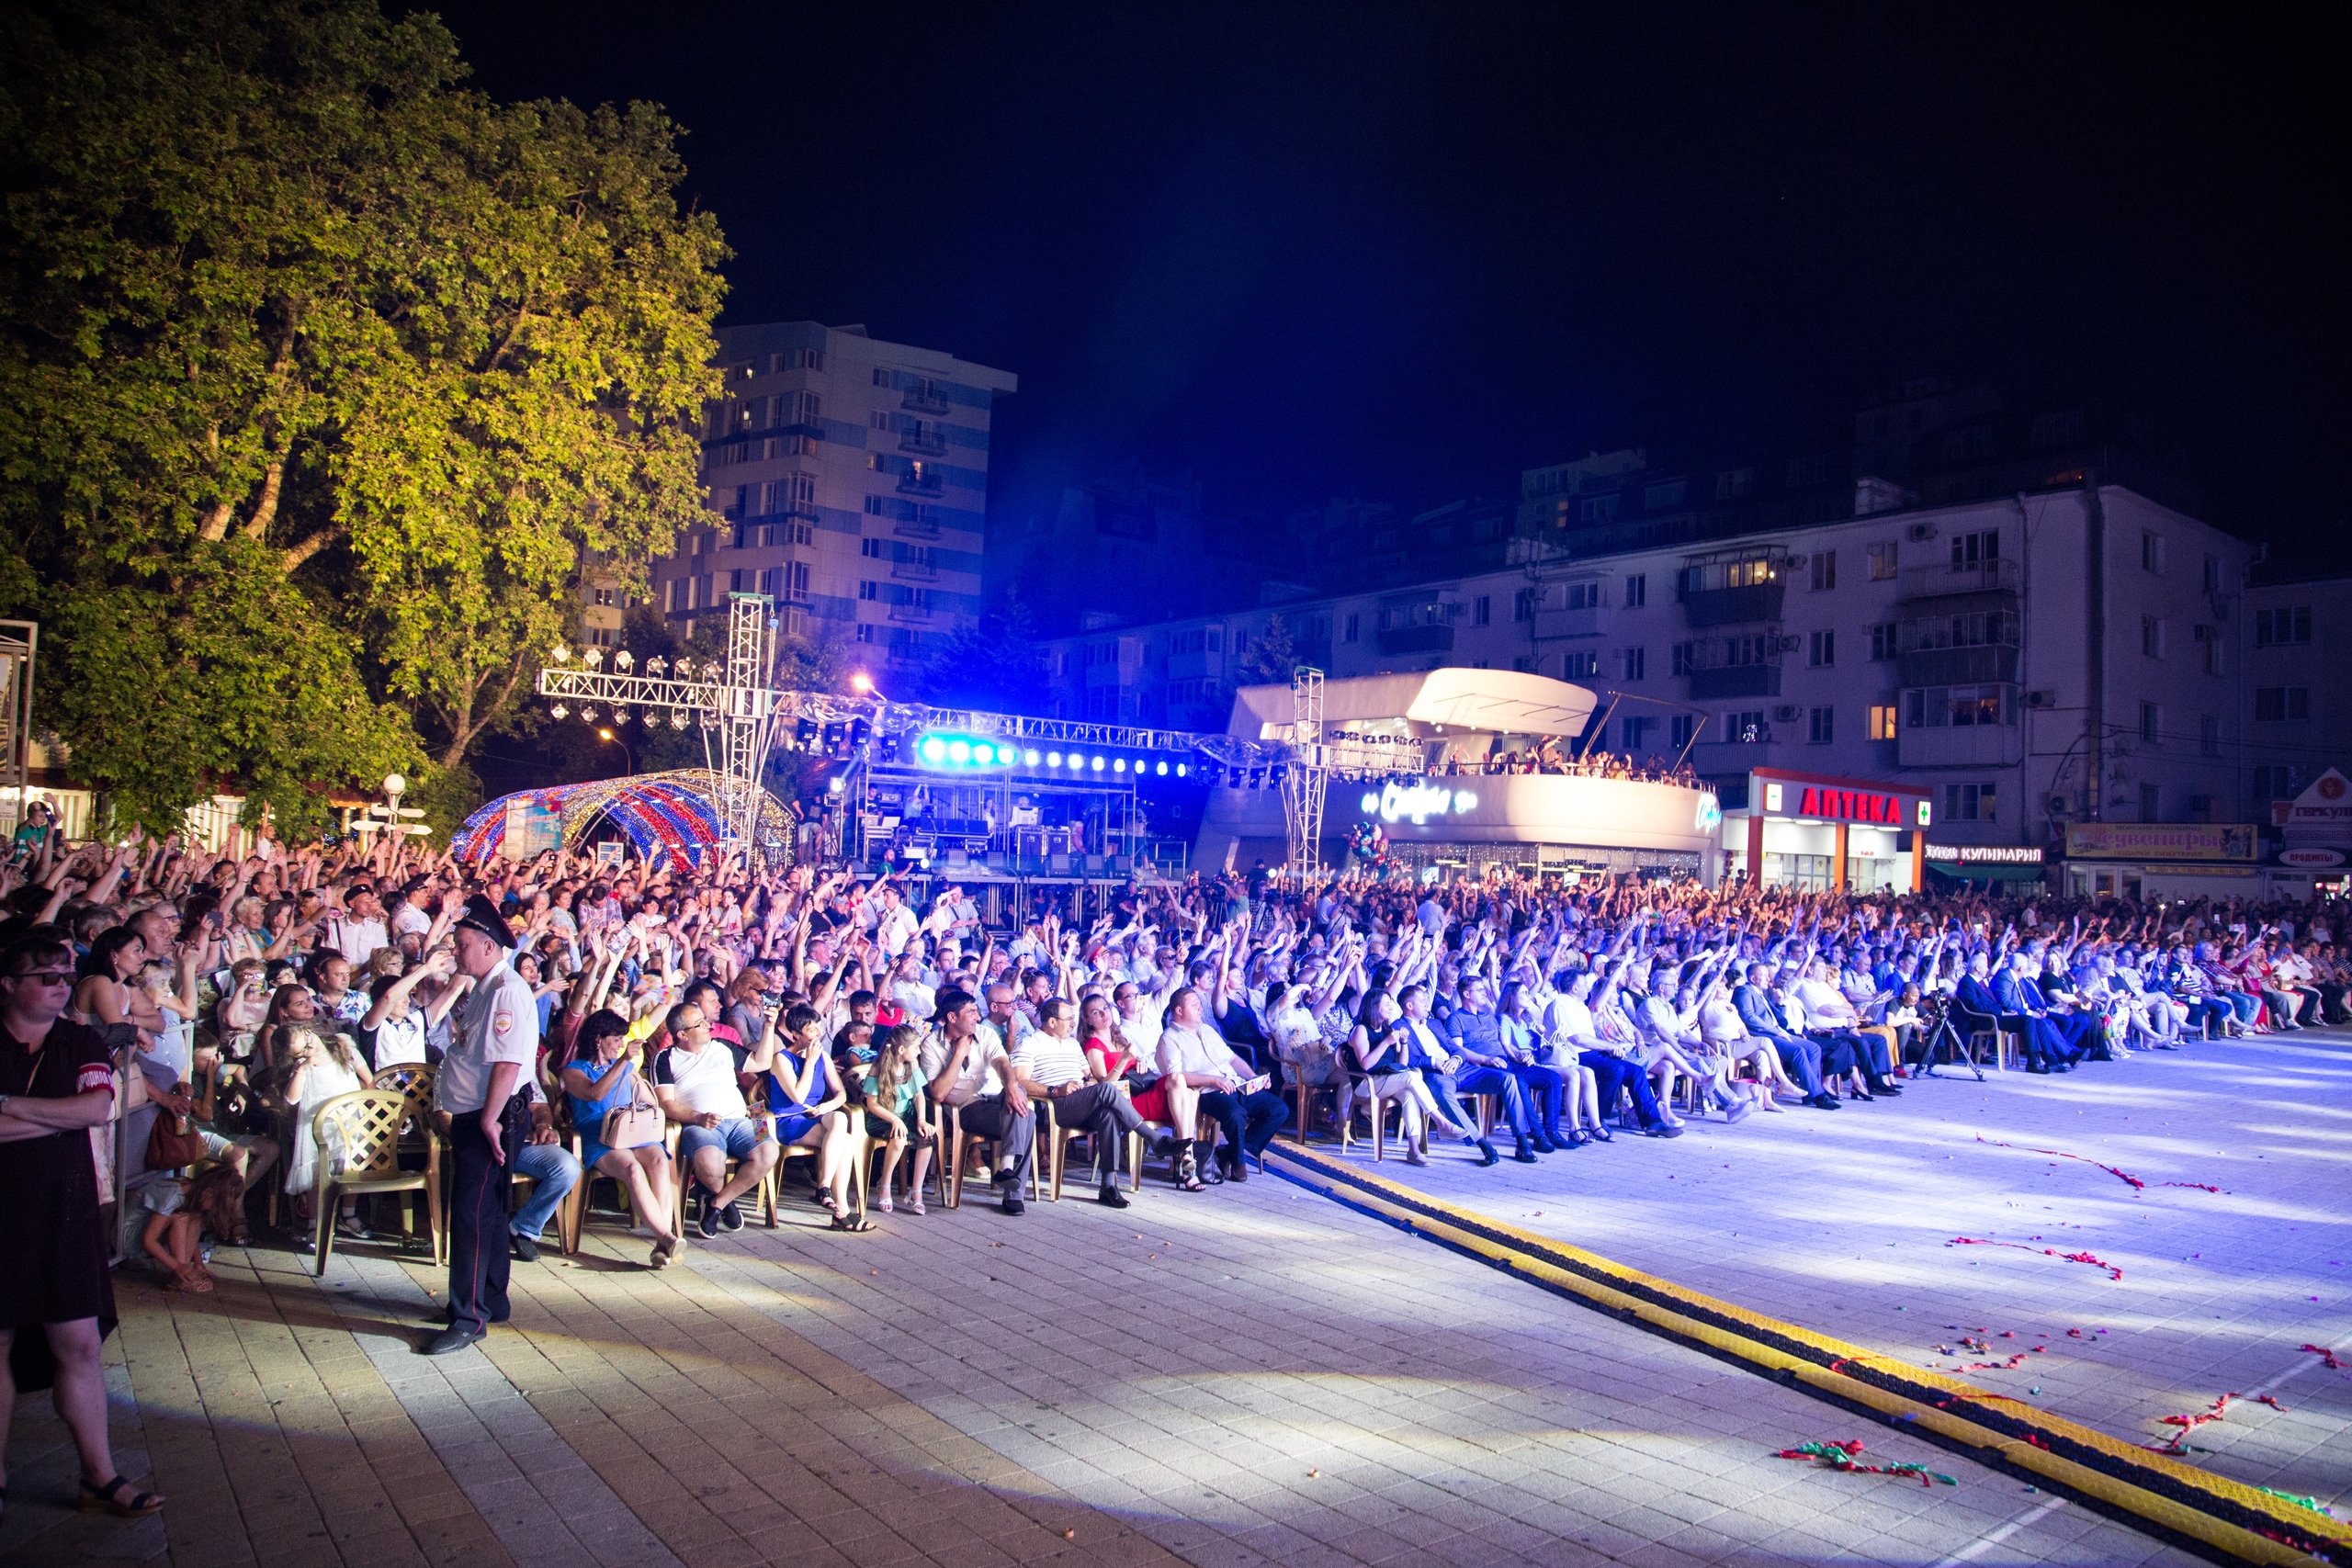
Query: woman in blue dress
[601, 1077]
[806, 1098]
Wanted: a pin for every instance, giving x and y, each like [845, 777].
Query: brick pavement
[1257, 1375]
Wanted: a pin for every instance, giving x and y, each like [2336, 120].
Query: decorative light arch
[677, 815]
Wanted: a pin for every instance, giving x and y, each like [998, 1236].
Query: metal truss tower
[1306, 774]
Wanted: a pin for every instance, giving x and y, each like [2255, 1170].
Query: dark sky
[1402, 252]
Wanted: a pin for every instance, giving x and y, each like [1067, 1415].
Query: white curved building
[1407, 729]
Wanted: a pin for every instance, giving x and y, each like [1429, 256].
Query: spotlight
[1119, 765]
[677, 718]
[560, 710]
[623, 660]
[1180, 770]
[592, 657]
[1030, 758]
[1161, 769]
[1098, 764]
[589, 714]
[1053, 759]
[655, 665]
[959, 751]
[563, 654]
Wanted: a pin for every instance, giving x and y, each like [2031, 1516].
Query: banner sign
[2160, 840]
[1987, 854]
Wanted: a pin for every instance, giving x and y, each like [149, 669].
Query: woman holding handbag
[620, 1125]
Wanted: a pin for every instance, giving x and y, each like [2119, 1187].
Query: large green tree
[319, 372]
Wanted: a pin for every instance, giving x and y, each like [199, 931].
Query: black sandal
[106, 1499]
[856, 1228]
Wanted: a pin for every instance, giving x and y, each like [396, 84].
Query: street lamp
[629, 763]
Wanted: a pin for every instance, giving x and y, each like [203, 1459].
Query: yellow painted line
[2191, 1503]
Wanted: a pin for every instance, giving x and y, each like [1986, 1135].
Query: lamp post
[628, 762]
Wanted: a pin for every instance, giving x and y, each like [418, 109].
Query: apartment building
[2299, 719]
[848, 478]
[2072, 651]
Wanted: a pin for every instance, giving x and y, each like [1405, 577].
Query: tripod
[1946, 1038]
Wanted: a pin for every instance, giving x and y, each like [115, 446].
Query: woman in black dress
[56, 1297]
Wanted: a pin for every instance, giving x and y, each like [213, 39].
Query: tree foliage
[994, 664]
[1270, 660]
[331, 367]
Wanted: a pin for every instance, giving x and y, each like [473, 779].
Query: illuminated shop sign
[1418, 803]
[1845, 805]
[1987, 854]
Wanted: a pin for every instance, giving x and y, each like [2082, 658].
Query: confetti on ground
[2327, 1355]
[2112, 1271]
[2122, 1176]
[2313, 1504]
[2190, 1421]
[1840, 1456]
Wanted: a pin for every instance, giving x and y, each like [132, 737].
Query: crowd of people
[1550, 757]
[586, 1020]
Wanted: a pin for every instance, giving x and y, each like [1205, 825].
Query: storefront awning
[1980, 870]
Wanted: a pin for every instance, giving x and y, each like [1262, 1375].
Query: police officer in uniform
[493, 1047]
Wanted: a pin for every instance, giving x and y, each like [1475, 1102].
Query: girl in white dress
[318, 1067]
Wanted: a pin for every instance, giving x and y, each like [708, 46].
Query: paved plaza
[1260, 1375]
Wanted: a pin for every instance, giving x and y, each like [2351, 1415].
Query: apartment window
[2212, 574]
[2278, 781]
[1638, 590]
[1882, 562]
[1882, 721]
[866, 631]
[2276, 705]
[870, 592]
[1732, 483]
[1680, 729]
[796, 581]
[1970, 802]
[1523, 605]
[2208, 736]
[742, 581]
[1825, 570]
[2151, 803]
[879, 420]
[1581, 665]
[670, 596]
[1584, 595]
[1352, 626]
[881, 378]
[1686, 658]
[2282, 626]
[1633, 663]
[1933, 707]
[1969, 551]
[1747, 728]
[2151, 551]
[1821, 727]
[1638, 732]
[870, 548]
[2152, 636]
[1482, 611]
[2209, 650]
[1598, 509]
[1883, 644]
[1524, 663]
[606, 597]
[1821, 651]
[2151, 724]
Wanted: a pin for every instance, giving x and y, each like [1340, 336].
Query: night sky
[1400, 254]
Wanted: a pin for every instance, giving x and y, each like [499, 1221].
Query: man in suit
[2045, 1047]
[1800, 1058]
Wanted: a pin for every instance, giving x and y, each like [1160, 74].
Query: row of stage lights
[964, 751]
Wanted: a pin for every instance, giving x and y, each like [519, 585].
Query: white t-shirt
[984, 1063]
[1050, 1061]
[399, 1040]
[359, 939]
[704, 1080]
[408, 918]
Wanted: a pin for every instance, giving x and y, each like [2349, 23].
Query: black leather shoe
[450, 1340]
[1884, 1087]
[1013, 1205]
[1112, 1196]
[1523, 1155]
[1825, 1100]
[1486, 1155]
[525, 1249]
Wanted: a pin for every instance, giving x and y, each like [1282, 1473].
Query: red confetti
[2327, 1355]
[2096, 1262]
[2189, 1422]
[2122, 1176]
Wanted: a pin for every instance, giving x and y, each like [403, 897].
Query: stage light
[1053, 759]
[655, 665]
[623, 660]
[934, 750]
[1180, 770]
[592, 656]
[1119, 765]
[1162, 769]
[861, 682]
[1030, 758]
[560, 710]
[677, 718]
[1098, 764]
[959, 750]
[563, 654]
[589, 714]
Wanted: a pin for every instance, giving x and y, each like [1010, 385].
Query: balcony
[1395, 640]
[1942, 582]
[922, 401]
[1733, 606]
[1591, 621]
[918, 613]
[921, 481]
[929, 443]
[1994, 664]
[1734, 681]
[1960, 746]
[915, 528]
[914, 572]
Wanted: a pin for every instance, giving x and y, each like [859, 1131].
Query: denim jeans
[554, 1173]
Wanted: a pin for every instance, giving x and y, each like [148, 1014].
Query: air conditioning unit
[1921, 533]
[2042, 699]
[2060, 804]
[1798, 563]
[1787, 713]
[1791, 643]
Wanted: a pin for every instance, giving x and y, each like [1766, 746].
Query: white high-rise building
[848, 478]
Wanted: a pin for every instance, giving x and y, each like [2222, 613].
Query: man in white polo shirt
[695, 1081]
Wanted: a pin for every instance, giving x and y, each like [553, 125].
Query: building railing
[920, 484]
[1590, 621]
[1997, 576]
[924, 441]
[914, 572]
[1416, 639]
[915, 401]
